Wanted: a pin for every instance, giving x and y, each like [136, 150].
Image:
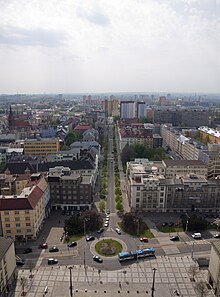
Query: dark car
[90, 238]
[20, 262]
[216, 235]
[97, 259]
[27, 251]
[108, 211]
[175, 238]
[100, 230]
[52, 261]
[53, 249]
[43, 246]
[170, 224]
[164, 224]
[72, 244]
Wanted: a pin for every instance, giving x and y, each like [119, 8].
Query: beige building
[41, 146]
[214, 267]
[22, 215]
[8, 271]
[172, 168]
[149, 190]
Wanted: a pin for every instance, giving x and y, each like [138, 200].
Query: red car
[43, 246]
[144, 239]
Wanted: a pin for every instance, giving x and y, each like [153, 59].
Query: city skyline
[101, 46]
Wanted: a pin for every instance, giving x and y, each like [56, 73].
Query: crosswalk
[198, 242]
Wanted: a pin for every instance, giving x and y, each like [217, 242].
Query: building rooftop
[183, 163]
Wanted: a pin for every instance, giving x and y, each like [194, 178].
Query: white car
[107, 219]
[106, 224]
[197, 235]
[118, 230]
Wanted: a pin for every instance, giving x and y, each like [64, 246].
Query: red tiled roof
[82, 127]
[21, 124]
[29, 202]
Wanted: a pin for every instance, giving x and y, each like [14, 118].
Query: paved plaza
[134, 279]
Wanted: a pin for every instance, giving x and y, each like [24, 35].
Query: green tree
[119, 206]
[71, 137]
[127, 154]
[132, 224]
[102, 206]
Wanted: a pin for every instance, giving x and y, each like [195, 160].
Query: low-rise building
[214, 267]
[8, 271]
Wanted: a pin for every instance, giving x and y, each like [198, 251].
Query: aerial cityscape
[109, 148]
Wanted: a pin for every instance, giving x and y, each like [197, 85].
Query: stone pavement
[134, 279]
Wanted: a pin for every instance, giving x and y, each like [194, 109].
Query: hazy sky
[64, 46]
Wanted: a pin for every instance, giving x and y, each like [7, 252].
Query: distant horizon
[77, 47]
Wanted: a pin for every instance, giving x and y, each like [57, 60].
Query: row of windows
[18, 231]
[17, 219]
[16, 212]
[17, 225]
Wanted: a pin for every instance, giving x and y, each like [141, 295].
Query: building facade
[128, 110]
[214, 267]
[70, 190]
[8, 270]
[41, 146]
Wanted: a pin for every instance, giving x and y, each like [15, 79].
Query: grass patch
[168, 229]
[74, 237]
[108, 247]
[146, 233]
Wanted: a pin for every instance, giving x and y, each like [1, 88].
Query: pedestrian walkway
[171, 275]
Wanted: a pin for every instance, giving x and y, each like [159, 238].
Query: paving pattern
[134, 279]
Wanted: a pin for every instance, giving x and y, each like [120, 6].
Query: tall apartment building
[128, 110]
[8, 271]
[150, 191]
[70, 190]
[111, 107]
[41, 146]
[141, 110]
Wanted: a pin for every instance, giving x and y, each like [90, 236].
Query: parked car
[52, 261]
[108, 211]
[107, 219]
[54, 249]
[97, 259]
[100, 230]
[170, 224]
[90, 238]
[164, 224]
[72, 244]
[143, 239]
[20, 262]
[216, 235]
[43, 246]
[175, 238]
[27, 251]
[197, 235]
[118, 230]
[106, 224]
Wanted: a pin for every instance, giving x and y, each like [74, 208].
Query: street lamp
[187, 222]
[71, 284]
[153, 289]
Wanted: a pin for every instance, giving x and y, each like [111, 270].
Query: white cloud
[112, 45]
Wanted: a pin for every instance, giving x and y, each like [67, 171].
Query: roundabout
[108, 247]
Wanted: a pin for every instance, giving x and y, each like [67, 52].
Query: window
[18, 230]
[7, 220]
[8, 231]
[138, 188]
[18, 225]
[138, 193]
[7, 225]
[6, 212]
[17, 219]
[28, 224]
[16, 212]
[27, 219]
[26, 211]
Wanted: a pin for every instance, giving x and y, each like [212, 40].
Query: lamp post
[153, 289]
[71, 284]
[187, 222]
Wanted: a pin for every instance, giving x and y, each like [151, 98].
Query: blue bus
[142, 253]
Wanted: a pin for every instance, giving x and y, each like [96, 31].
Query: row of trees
[130, 152]
[118, 194]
